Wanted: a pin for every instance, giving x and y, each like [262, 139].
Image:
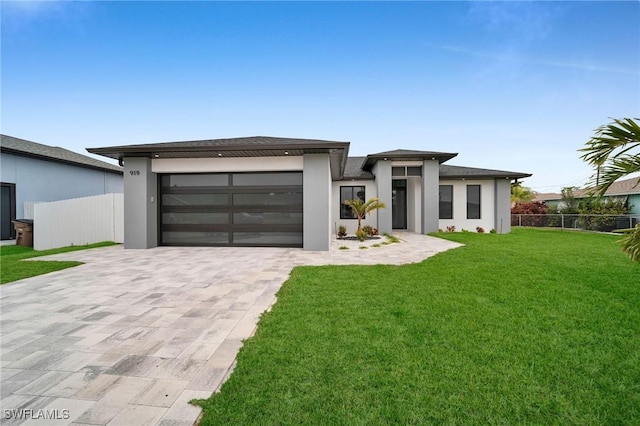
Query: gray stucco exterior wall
[382, 172]
[140, 204]
[40, 180]
[430, 196]
[503, 205]
[316, 202]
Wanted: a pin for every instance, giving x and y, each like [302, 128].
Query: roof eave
[442, 157]
[141, 151]
[58, 160]
[495, 176]
[337, 151]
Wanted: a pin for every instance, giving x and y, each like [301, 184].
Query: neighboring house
[627, 191]
[266, 191]
[33, 172]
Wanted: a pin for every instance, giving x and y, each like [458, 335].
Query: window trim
[440, 202]
[342, 211]
[469, 205]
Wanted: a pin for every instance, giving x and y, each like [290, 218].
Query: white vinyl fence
[28, 209]
[78, 221]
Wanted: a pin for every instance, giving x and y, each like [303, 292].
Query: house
[627, 191]
[33, 172]
[269, 191]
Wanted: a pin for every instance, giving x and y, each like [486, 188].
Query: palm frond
[631, 244]
[373, 204]
[612, 140]
[617, 169]
[615, 151]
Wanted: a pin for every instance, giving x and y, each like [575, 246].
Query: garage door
[231, 209]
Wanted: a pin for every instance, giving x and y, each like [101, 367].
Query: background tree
[521, 194]
[362, 208]
[569, 204]
[615, 152]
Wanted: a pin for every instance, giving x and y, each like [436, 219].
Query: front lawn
[13, 268]
[535, 327]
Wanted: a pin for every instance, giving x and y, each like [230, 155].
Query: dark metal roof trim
[461, 172]
[255, 146]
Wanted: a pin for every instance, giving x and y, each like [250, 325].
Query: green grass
[13, 268]
[391, 238]
[535, 327]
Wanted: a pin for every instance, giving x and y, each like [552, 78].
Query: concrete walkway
[131, 336]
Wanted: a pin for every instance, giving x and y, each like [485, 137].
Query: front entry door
[399, 204]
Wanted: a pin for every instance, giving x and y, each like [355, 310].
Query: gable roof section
[25, 148]
[622, 187]
[353, 170]
[406, 154]
[254, 146]
[461, 172]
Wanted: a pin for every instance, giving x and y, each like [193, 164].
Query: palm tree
[521, 194]
[361, 208]
[615, 152]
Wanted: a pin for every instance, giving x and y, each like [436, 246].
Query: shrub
[554, 219]
[451, 228]
[493, 231]
[597, 208]
[361, 235]
[479, 229]
[342, 231]
[368, 229]
[530, 208]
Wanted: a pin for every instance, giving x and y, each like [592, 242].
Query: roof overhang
[372, 159]
[337, 151]
[507, 175]
[20, 153]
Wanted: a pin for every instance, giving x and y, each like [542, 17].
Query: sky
[517, 86]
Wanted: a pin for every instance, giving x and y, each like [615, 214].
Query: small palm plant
[361, 208]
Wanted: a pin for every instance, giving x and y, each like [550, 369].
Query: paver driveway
[131, 336]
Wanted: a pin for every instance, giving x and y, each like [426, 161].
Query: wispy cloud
[520, 20]
[518, 59]
[19, 14]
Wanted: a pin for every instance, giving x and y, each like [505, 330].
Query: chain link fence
[587, 222]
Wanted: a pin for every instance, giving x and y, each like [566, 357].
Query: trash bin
[24, 232]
